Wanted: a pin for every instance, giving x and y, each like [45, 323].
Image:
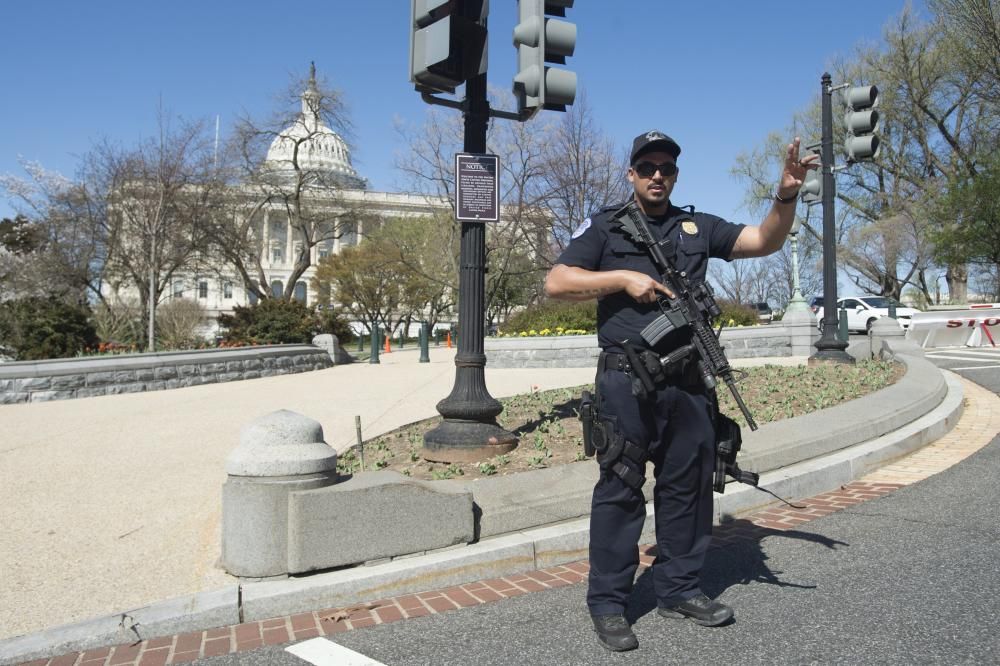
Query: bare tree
[553, 173]
[582, 171]
[934, 126]
[159, 195]
[428, 167]
[770, 279]
[68, 253]
[972, 28]
[291, 167]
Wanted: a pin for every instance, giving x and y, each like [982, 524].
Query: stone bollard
[328, 343]
[278, 453]
[802, 330]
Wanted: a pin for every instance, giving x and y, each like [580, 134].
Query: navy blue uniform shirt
[598, 245]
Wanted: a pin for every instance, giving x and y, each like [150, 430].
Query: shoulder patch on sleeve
[580, 229]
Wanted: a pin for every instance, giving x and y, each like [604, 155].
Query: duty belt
[679, 372]
[613, 361]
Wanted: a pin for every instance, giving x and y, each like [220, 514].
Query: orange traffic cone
[449, 339]
[388, 347]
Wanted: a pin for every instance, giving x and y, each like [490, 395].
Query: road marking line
[954, 358]
[977, 367]
[988, 353]
[323, 652]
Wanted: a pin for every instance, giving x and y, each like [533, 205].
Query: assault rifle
[692, 306]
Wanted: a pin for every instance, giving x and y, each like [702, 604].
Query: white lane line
[954, 358]
[323, 652]
[976, 367]
[987, 353]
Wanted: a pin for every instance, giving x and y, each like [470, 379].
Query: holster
[618, 455]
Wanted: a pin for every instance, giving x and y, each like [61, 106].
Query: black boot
[700, 609]
[614, 632]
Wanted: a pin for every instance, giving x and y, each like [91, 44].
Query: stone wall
[580, 351]
[61, 379]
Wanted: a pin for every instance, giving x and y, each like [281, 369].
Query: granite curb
[495, 556]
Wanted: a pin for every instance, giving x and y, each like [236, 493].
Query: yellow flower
[524, 334]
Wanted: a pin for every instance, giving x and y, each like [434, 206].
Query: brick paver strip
[124, 654]
[963, 440]
[154, 657]
[217, 647]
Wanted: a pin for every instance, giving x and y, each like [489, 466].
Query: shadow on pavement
[739, 562]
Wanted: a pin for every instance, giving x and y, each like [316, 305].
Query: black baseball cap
[654, 140]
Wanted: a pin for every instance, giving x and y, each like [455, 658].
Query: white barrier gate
[975, 327]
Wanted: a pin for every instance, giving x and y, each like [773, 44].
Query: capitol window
[227, 290]
[202, 288]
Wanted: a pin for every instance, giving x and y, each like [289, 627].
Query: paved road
[911, 577]
[980, 364]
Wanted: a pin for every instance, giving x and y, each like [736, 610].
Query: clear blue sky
[717, 76]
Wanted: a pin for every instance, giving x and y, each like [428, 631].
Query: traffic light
[447, 43]
[812, 186]
[540, 40]
[862, 123]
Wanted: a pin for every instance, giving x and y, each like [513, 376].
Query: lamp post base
[457, 440]
[831, 354]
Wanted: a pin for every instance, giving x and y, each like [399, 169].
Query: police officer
[671, 427]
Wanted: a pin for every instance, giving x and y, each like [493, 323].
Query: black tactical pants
[677, 424]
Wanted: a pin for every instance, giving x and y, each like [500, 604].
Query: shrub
[120, 322]
[269, 321]
[736, 314]
[33, 329]
[177, 323]
[329, 320]
[554, 315]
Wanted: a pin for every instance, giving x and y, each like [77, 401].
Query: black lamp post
[829, 348]
[470, 431]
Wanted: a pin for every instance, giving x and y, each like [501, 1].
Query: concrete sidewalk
[114, 502]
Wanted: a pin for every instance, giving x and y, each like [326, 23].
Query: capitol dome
[321, 151]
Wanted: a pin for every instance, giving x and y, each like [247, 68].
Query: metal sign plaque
[477, 188]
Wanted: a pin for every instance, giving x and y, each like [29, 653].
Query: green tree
[20, 236]
[33, 329]
[975, 235]
[363, 283]
[270, 321]
[423, 252]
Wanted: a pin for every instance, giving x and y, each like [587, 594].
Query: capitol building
[312, 157]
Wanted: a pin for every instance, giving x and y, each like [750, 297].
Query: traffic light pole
[470, 431]
[829, 348]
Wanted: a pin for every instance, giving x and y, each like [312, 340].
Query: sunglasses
[647, 169]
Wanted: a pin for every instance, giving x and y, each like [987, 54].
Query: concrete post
[328, 343]
[278, 453]
[801, 325]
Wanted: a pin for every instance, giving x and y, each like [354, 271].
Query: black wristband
[777, 197]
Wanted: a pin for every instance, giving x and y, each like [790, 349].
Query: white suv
[862, 311]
